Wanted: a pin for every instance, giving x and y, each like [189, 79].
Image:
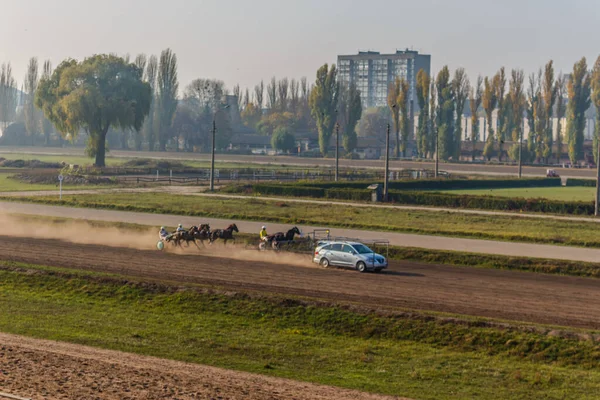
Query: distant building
[372, 73]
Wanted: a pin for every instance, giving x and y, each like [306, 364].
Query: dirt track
[528, 297]
[47, 370]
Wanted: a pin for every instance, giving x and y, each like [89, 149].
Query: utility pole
[337, 149]
[387, 164]
[212, 155]
[212, 152]
[437, 153]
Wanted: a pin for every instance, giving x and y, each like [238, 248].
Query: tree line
[137, 103]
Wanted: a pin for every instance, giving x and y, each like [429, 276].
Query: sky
[244, 41]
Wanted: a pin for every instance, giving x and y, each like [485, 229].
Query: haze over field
[243, 42]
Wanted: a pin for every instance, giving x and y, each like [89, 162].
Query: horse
[225, 234]
[279, 237]
[201, 233]
[183, 236]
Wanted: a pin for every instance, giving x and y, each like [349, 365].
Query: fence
[203, 175]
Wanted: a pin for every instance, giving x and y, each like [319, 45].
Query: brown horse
[201, 233]
[225, 234]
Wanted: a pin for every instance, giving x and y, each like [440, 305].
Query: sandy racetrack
[46, 370]
[528, 297]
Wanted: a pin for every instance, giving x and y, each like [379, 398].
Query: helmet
[180, 226]
[264, 227]
[162, 228]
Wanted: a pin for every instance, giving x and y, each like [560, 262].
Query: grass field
[117, 161]
[506, 228]
[552, 193]
[421, 358]
[7, 184]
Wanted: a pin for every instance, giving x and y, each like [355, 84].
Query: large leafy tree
[433, 131]
[167, 86]
[560, 114]
[596, 102]
[578, 90]
[423, 82]
[392, 101]
[533, 114]
[283, 140]
[8, 95]
[404, 114]
[549, 93]
[517, 102]
[503, 115]
[474, 104]
[350, 112]
[323, 101]
[96, 94]
[149, 128]
[32, 122]
[445, 114]
[461, 88]
[489, 101]
[47, 127]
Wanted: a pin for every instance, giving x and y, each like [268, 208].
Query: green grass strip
[398, 354]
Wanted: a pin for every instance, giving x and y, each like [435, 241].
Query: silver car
[349, 254]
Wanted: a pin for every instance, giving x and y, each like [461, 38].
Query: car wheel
[324, 263]
[361, 267]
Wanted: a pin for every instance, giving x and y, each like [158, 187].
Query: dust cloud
[139, 238]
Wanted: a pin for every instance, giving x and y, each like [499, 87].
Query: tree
[350, 112]
[373, 123]
[8, 95]
[578, 90]
[259, 95]
[503, 114]
[251, 116]
[272, 95]
[475, 103]
[205, 93]
[489, 101]
[445, 114]
[549, 93]
[167, 87]
[433, 131]
[323, 101]
[141, 61]
[560, 114]
[31, 82]
[404, 115]
[246, 101]
[47, 127]
[283, 87]
[423, 82]
[517, 102]
[149, 127]
[101, 92]
[269, 123]
[532, 112]
[237, 92]
[595, 84]
[461, 88]
[392, 101]
[283, 140]
[294, 96]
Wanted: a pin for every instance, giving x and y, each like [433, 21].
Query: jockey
[263, 233]
[163, 234]
[180, 228]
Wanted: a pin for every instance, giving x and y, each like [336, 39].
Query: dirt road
[398, 239]
[319, 162]
[526, 297]
[46, 370]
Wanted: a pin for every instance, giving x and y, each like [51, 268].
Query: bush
[287, 190]
[581, 182]
[442, 184]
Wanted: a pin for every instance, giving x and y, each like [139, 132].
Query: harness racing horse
[201, 233]
[280, 237]
[225, 234]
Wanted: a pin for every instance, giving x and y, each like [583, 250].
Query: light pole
[337, 149]
[212, 152]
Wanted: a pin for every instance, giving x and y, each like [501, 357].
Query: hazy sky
[248, 40]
